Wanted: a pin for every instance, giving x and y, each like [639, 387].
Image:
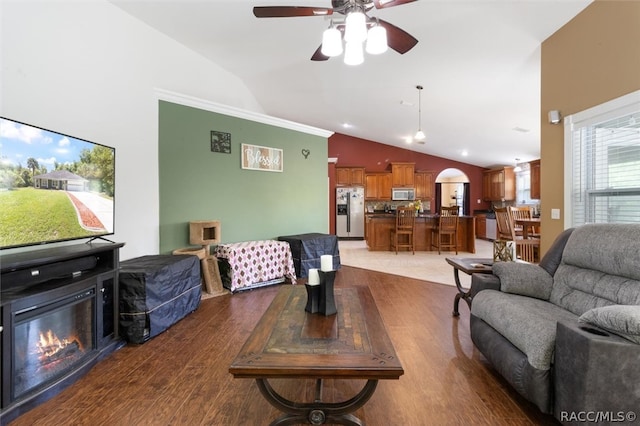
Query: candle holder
[313, 298]
[327, 305]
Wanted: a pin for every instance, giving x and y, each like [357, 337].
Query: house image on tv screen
[61, 179]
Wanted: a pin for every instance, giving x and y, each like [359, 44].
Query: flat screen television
[53, 187]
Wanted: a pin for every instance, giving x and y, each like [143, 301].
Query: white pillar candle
[326, 263]
[314, 277]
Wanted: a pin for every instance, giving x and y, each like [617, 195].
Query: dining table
[529, 225]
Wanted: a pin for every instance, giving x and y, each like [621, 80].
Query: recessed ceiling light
[521, 129]
[406, 103]
[347, 125]
[464, 153]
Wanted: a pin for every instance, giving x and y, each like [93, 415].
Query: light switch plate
[555, 213]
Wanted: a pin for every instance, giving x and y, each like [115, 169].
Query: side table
[468, 265]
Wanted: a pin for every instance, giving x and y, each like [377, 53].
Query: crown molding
[203, 104]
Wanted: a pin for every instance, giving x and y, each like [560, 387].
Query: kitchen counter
[378, 231]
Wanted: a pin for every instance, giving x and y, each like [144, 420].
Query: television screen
[53, 187]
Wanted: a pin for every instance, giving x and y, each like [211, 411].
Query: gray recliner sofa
[566, 333]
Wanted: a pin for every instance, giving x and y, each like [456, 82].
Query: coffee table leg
[461, 293]
[317, 412]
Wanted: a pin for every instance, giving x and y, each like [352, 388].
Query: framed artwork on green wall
[254, 157]
[220, 142]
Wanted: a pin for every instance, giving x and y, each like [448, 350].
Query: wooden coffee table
[468, 265]
[291, 343]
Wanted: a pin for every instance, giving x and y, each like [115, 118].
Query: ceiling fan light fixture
[331, 42]
[376, 40]
[356, 27]
[353, 54]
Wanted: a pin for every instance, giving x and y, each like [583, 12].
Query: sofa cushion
[599, 268]
[613, 249]
[623, 320]
[525, 279]
[579, 289]
[528, 323]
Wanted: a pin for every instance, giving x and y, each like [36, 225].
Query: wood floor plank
[180, 377]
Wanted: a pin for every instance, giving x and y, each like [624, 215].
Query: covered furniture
[444, 235]
[252, 264]
[157, 291]
[306, 250]
[566, 333]
[402, 233]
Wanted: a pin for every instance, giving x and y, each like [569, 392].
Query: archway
[452, 189]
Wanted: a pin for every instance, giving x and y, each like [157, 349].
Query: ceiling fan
[397, 39]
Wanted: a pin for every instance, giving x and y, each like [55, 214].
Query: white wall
[88, 69]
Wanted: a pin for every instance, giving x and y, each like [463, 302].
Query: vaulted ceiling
[478, 61]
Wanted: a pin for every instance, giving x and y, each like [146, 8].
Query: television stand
[67, 291]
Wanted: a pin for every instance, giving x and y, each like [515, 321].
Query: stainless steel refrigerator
[350, 212]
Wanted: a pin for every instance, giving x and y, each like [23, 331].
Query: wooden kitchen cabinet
[534, 170]
[377, 186]
[424, 185]
[499, 184]
[402, 175]
[350, 176]
[481, 226]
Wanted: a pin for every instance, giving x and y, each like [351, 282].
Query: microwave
[403, 194]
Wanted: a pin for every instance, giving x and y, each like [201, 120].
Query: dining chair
[527, 249]
[402, 234]
[522, 213]
[445, 234]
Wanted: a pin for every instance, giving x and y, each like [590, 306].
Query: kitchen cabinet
[379, 232]
[350, 176]
[402, 175]
[377, 186]
[424, 185]
[499, 184]
[481, 226]
[534, 170]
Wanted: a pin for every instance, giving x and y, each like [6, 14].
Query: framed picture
[254, 157]
[220, 142]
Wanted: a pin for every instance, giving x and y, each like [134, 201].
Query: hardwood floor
[180, 377]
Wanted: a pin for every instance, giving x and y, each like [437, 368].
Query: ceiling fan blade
[398, 39]
[290, 11]
[381, 4]
[318, 56]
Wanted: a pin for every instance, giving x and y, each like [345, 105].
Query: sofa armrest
[595, 371]
[481, 282]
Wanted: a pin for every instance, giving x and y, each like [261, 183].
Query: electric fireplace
[52, 340]
[58, 313]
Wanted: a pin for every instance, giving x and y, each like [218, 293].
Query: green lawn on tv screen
[29, 215]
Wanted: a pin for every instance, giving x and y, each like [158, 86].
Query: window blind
[605, 166]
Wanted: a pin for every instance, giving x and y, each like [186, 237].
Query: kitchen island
[378, 231]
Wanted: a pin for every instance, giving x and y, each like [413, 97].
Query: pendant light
[420, 136]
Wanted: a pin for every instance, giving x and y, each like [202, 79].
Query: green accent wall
[198, 184]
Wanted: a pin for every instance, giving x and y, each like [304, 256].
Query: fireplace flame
[49, 344]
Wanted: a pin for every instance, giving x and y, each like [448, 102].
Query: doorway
[452, 189]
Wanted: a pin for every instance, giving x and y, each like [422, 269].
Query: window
[523, 184]
[602, 163]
